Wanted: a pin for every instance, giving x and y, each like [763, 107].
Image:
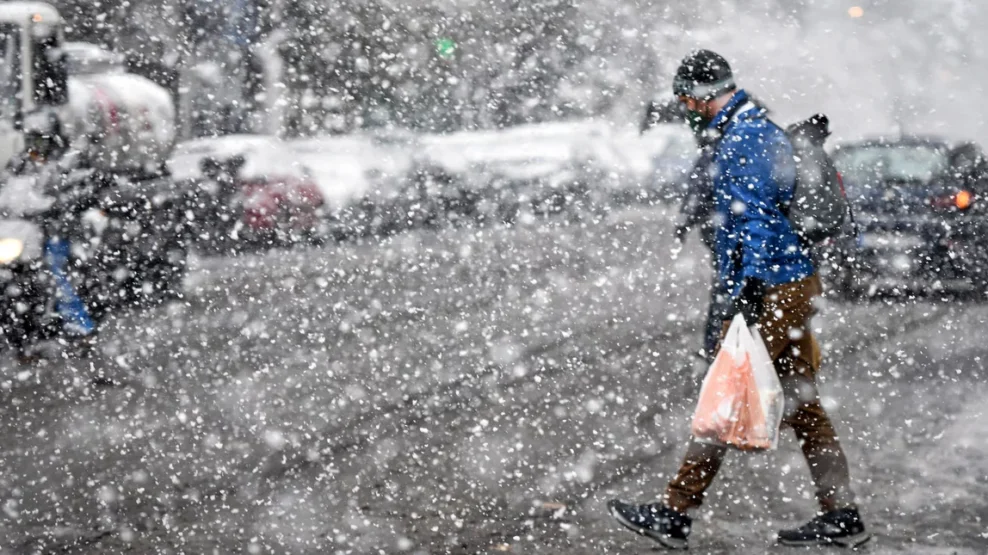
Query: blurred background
[298, 67]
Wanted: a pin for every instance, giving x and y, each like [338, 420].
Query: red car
[282, 206]
[257, 191]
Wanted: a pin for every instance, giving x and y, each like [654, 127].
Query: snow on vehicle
[671, 151]
[270, 197]
[376, 181]
[118, 128]
[127, 120]
[505, 173]
[556, 167]
[125, 246]
[618, 165]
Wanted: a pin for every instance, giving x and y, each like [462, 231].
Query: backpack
[819, 209]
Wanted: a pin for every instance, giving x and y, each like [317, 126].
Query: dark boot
[664, 525]
[842, 527]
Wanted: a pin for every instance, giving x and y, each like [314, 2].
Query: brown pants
[784, 325]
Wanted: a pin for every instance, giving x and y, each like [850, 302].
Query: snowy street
[470, 391]
[432, 277]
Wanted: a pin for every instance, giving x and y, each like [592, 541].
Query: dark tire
[980, 291]
[172, 272]
[165, 269]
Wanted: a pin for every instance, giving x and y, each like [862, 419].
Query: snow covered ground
[468, 391]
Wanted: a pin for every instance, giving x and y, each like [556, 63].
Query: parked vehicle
[126, 121]
[127, 246]
[109, 222]
[248, 191]
[921, 207]
[392, 181]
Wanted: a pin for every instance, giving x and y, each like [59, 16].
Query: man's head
[703, 83]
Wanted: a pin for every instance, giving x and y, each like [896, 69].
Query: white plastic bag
[741, 401]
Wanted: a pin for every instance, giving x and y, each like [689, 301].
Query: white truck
[127, 121]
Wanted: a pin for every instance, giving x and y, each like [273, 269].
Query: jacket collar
[726, 113]
[738, 106]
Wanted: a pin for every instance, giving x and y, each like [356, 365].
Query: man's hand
[681, 232]
[751, 300]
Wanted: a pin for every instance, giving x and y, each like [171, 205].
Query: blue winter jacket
[754, 175]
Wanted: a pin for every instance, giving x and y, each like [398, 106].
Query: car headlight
[10, 250]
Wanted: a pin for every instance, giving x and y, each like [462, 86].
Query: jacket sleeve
[698, 202]
[748, 170]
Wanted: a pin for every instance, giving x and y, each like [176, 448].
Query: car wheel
[980, 290]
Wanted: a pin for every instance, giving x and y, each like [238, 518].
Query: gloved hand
[681, 232]
[751, 300]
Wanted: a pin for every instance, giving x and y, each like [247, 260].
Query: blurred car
[273, 199]
[127, 246]
[627, 167]
[364, 176]
[921, 207]
[387, 181]
[498, 175]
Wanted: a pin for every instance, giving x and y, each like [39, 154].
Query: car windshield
[898, 163]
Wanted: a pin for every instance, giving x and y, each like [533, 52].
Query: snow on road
[468, 391]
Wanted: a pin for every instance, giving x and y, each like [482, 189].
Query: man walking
[770, 279]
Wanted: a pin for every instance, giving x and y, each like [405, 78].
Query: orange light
[963, 200]
[37, 18]
[855, 11]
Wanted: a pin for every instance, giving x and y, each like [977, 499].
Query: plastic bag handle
[732, 339]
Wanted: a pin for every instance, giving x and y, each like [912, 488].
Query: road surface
[469, 391]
